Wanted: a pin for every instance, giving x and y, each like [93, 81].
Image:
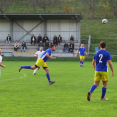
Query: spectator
[23, 46]
[65, 47]
[55, 40]
[72, 38]
[8, 40]
[16, 46]
[33, 39]
[45, 38]
[59, 39]
[40, 45]
[71, 47]
[46, 45]
[39, 39]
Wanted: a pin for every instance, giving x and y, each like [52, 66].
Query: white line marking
[16, 78]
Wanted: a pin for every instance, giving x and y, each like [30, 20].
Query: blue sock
[103, 92]
[93, 88]
[82, 63]
[26, 67]
[48, 77]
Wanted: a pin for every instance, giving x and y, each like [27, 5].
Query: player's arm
[111, 66]
[35, 55]
[47, 54]
[93, 63]
[85, 53]
[77, 53]
[2, 65]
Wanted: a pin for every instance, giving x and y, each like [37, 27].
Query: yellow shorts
[99, 75]
[82, 57]
[41, 62]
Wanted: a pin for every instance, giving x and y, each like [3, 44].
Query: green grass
[32, 96]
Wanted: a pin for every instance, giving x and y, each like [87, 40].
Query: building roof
[69, 16]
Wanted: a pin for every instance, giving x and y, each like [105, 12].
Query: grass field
[25, 95]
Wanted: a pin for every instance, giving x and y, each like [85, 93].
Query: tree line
[5, 4]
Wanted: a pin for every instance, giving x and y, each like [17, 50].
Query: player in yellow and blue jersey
[101, 71]
[82, 51]
[42, 62]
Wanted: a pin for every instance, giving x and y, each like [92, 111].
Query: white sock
[35, 70]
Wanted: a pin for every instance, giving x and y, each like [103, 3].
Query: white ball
[104, 21]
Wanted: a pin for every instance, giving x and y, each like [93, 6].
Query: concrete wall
[65, 28]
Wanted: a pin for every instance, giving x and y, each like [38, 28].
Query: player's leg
[80, 61]
[48, 76]
[27, 67]
[38, 63]
[104, 87]
[104, 90]
[34, 73]
[95, 85]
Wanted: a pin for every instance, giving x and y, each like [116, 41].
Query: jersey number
[100, 55]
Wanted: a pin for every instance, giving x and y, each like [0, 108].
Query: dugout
[22, 26]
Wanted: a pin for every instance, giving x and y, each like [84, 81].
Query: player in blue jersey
[100, 60]
[82, 51]
[42, 62]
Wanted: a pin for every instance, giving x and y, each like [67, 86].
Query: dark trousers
[70, 49]
[16, 48]
[33, 42]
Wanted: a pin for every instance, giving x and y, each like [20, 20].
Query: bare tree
[41, 3]
[113, 4]
[4, 5]
[91, 4]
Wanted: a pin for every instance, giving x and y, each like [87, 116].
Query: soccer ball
[104, 21]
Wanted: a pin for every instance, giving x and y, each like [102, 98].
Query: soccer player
[101, 71]
[82, 51]
[1, 59]
[38, 55]
[42, 62]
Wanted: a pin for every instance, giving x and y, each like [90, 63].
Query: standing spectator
[72, 38]
[23, 46]
[59, 39]
[45, 38]
[55, 40]
[8, 40]
[71, 47]
[65, 47]
[46, 45]
[39, 39]
[16, 46]
[33, 39]
[40, 45]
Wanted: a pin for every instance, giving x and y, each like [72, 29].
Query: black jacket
[55, 39]
[24, 45]
[39, 39]
[72, 39]
[34, 38]
[71, 45]
[9, 38]
[65, 45]
[46, 44]
[59, 40]
[41, 45]
[44, 39]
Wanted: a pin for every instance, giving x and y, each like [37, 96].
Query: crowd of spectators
[43, 42]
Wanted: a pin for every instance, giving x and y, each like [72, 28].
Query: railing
[89, 43]
[64, 53]
[11, 54]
